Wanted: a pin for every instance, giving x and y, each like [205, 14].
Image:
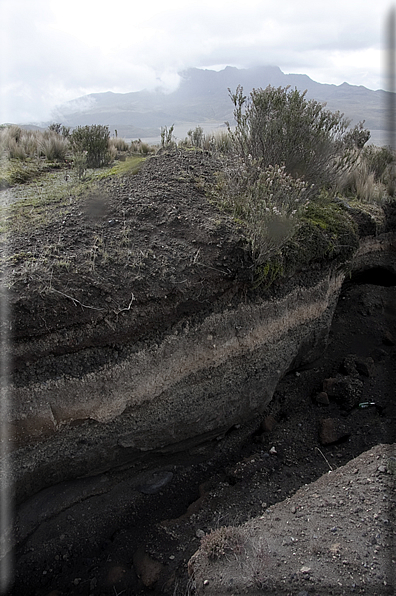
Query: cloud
[57, 51]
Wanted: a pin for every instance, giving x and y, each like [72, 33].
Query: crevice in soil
[226, 480]
[377, 276]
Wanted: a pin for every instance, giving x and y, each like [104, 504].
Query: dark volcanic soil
[226, 481]
[133, 531]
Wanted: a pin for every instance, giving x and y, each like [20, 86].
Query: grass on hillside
[49, 196]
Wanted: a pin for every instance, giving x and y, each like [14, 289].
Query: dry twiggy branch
[75, 300]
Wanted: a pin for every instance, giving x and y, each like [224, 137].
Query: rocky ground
[134, 529]
[180, 499]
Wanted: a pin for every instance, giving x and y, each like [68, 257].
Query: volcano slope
[142, 350]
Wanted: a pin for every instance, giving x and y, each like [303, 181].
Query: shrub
[59, 129]
[283, 152]
[196, 137]
[279, 126]
[80, 163]
[55, 127]
[269, 204]
[167, 138]
[93, 142]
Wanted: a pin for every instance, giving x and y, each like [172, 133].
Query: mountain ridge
[202, 98]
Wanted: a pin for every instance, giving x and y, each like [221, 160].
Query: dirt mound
[334, 536]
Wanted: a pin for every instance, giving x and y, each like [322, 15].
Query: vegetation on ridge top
[286, 159]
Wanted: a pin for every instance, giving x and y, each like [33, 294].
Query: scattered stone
[354, 365]
[273, 451]
[365, 366]
[305, 569]
[76, 581]
[146, 568]
[199, 533]
[115, 574]
[332, 430]
[268, 424]
[322, 398]
[388, 339]
[348, 366]
[345, 390]
[391, 465]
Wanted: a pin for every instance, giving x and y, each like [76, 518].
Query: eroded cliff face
[160, 370]
[198, 381]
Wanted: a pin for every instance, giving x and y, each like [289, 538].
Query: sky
[53, 51]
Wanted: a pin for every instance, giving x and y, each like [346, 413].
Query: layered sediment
[123, 370]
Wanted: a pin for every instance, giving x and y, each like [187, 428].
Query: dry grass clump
[22, 144]
[371, 179]
[220, 141]
[119, 144]
[53, 146]
[142, 148]
[223, 542]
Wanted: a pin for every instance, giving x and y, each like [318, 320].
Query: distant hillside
[202, 98]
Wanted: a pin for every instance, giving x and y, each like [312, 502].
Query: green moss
[130, 166]
[268, 273]
[325, 234]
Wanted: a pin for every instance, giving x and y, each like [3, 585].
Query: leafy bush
[278, 126]
[80, 164]
[93, 142]
[59, 129]
[268, 204]
[196, 137]
[284, 151]
[167, 138]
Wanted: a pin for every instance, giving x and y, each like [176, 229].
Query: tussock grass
[53, 146]
[370, 178]
[119, 144]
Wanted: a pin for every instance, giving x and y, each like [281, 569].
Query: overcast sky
[53, 51]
